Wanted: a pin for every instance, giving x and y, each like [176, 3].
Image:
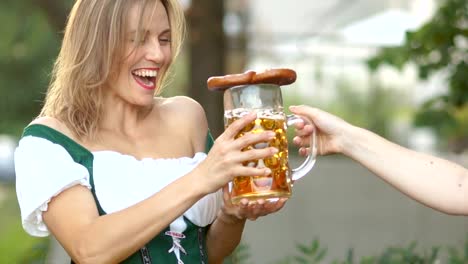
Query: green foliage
[15, 245]
[240, 255]
[399, 255]
[440, 44]
[308, 254]
[27, 50]
[374, 110]
[458, 258]
[315, 253]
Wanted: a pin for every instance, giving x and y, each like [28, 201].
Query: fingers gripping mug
[261, 93]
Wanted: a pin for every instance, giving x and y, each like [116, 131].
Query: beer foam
[261, 113]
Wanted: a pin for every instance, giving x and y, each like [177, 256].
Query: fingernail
[274, 150]
[267, 171]
[293, 107]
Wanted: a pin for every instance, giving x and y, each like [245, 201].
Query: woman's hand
[332, 132]
[234, 213]
[225, 233]
[224, 161]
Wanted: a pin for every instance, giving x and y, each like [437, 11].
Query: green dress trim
[156, 249]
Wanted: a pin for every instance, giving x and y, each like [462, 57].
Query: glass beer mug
[261, 93]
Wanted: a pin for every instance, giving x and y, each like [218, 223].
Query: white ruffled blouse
[44, 169]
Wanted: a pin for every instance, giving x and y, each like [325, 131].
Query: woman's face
[145, 58]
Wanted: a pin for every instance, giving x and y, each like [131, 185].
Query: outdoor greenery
[15, 245]
[27, 50]
[315, 253]
[439, 46]
[376, 110]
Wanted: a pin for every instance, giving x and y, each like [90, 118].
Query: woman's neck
[123, 117]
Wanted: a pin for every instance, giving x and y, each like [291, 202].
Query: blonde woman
[432, 181]
[117, 174]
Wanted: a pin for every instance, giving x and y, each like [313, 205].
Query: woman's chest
[158, 146]
[121, 181]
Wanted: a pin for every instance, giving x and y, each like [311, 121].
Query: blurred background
[396, 67]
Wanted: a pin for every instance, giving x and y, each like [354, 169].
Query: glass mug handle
[307, 165]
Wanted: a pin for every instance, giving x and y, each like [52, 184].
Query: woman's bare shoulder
[52, 123]
[176, 101]
[181, 105]
[187, 114]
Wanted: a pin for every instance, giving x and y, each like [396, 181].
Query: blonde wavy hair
[93, 42]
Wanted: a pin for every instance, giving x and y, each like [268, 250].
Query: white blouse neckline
[196, 156]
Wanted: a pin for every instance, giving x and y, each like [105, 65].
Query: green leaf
[432, 48]
[321, 254]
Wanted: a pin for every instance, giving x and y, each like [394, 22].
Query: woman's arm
[73, 219]
[225, 232]
[435, 182]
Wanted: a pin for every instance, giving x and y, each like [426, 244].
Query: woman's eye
[165, 40]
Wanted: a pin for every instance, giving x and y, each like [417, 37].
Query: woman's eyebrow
[168, 30]
[165, 31]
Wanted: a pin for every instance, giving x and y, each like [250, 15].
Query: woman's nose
[154, 51]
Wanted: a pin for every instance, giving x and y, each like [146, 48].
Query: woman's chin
[143, 101]
[146, 102]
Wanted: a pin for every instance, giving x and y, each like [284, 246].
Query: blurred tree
[207, 57]
[29, 44]
[55, 11]
[439, 45]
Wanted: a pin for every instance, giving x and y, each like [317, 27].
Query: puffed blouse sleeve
[43, 170]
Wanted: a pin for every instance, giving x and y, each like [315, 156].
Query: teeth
[146, 73]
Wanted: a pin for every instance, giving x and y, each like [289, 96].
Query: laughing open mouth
[145, 78]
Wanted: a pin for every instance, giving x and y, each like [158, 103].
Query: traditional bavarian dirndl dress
[47, 162]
